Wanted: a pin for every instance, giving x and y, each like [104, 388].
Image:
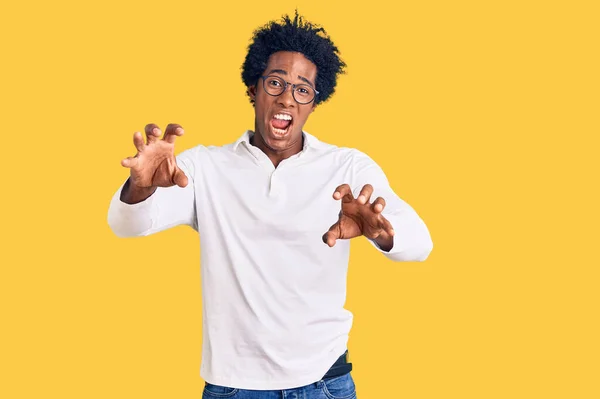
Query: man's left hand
[360, 217]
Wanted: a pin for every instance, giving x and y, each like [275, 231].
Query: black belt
[340, 367]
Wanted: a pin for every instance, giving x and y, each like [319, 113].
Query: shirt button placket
[272, 182]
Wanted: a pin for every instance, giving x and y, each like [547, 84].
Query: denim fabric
[341, 387]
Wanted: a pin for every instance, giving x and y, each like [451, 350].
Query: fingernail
[361, 199]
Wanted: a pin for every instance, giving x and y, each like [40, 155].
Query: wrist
[385, 241]
[132, 194]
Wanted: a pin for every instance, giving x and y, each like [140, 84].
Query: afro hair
[300, 36]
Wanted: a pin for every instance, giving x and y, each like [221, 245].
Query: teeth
[279, 131]
[284, 117]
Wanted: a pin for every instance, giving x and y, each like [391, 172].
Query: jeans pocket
[341, 387]
[218, 391]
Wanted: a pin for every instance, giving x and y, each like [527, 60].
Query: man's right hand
[154, 165]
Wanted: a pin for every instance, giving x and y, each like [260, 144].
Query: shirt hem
[306, 379]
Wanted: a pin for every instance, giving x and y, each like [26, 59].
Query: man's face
[272, 112]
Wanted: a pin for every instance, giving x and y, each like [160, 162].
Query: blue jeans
[341, 387]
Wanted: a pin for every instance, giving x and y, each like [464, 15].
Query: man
[274, 212]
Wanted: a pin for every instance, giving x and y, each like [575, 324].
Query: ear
[314, 106]
[252, 92]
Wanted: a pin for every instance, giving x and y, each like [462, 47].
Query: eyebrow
[281, 71]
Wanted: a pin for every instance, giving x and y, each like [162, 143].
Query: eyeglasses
[302, 93]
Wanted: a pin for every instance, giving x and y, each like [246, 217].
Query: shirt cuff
[412, 241]
[130, 219]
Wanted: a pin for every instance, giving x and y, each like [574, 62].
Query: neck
[276, 156]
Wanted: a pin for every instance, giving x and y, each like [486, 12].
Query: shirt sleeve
[167, 207]
[412, 241]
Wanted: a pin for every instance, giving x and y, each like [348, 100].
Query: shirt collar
[310, 141]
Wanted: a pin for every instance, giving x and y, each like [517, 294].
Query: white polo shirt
[273, 292]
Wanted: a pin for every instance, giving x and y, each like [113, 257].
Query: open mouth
[281, 124]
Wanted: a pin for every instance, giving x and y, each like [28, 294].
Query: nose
[286, 98]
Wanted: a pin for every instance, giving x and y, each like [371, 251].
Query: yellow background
[484, 116]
